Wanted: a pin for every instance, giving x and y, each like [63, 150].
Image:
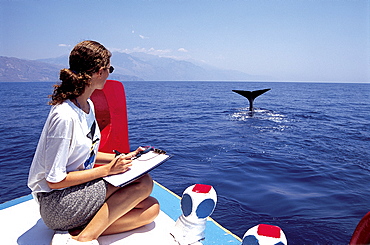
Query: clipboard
[140, 166]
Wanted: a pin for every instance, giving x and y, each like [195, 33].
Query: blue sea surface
[300, 161]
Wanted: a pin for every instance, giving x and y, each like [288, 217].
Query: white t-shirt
[68, 142]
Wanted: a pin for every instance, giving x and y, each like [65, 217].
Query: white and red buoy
[265, 234]
[197, 203]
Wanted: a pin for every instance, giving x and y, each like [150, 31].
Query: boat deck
[21, 224]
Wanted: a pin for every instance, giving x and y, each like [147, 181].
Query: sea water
[299, 161]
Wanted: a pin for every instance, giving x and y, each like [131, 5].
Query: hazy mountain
[18, 70]
[155, 68]
[46, 70]
[128, 67]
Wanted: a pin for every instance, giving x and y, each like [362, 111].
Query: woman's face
[99, 78]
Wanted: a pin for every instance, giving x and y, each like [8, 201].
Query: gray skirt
[74, 206]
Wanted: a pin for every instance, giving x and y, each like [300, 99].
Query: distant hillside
[155, 68]
[47, 70]
[18, 70]
[128, 67]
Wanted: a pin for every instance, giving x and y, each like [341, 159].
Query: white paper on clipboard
[140, 166]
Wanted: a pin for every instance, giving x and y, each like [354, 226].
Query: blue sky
[288, 40]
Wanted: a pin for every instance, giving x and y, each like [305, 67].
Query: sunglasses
[111, 69]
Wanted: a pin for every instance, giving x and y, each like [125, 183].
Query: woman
[72, 194]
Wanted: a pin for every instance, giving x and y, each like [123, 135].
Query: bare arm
[79, 177]
[119, 164]
[103, 157]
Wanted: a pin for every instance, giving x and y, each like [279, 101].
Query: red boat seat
[111, 115]
[361, 235]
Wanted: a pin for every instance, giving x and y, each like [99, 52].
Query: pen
[117, 153]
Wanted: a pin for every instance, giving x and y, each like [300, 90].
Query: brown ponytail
[86, 58]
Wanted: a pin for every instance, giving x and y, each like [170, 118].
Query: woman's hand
[122, 163]
[119, 164]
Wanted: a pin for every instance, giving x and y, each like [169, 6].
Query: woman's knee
[150, 202]
[151, 207]
[145, 184]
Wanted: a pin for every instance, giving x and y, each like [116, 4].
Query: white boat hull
[21, 224]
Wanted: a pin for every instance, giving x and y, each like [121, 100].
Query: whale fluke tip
[251, 95]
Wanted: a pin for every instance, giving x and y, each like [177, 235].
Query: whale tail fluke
[251, 95]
